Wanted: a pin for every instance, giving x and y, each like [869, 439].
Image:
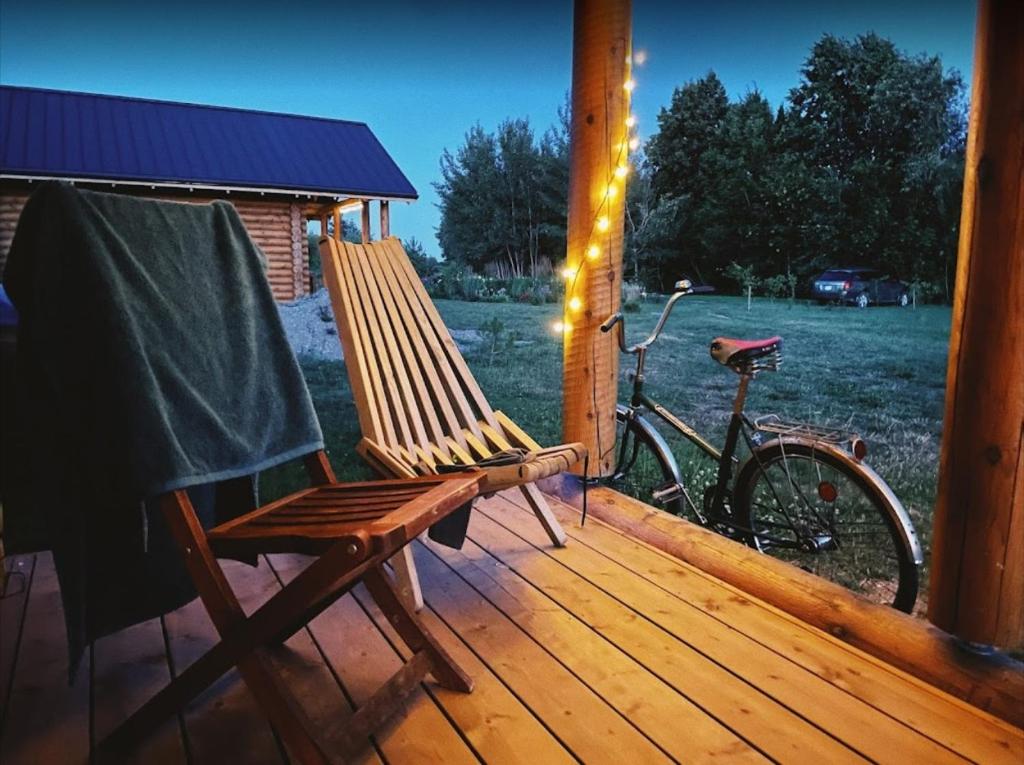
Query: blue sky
[420, 74]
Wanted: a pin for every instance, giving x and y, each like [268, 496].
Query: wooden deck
[604, 651]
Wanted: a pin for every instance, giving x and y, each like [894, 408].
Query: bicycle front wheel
[826, 515]
[644, 464]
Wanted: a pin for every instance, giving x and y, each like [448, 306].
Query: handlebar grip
[702, 290]
[611, 321]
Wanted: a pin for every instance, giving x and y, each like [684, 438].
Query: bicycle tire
[645, 466]
[862, 544]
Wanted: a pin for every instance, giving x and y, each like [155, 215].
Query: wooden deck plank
[128, 668]
[653, 705]
[360, 656]
[224, 723]
[47, 717]
[590, 728]
[943, 718]
[499, 727]
[12, 617]
[589, 584]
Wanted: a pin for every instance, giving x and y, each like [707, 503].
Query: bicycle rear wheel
[829, 517]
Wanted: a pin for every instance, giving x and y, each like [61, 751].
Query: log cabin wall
[277, 226]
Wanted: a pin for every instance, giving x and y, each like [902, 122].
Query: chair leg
[407, 578]
[535, 499]
[228, 617]
[411, 630]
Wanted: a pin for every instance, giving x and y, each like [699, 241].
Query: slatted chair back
[417, 400]
[419, 406]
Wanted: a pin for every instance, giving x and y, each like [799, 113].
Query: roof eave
[338, 195]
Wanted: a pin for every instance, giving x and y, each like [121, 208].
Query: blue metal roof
[50, 133]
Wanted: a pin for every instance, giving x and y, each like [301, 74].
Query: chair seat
[373, 518]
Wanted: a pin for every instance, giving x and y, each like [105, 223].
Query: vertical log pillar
[366, 221]
[385, 219]
[599, 136]
[977, 581]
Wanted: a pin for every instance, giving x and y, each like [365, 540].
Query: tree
[886, 130]
[426, 267]
[504, 197]
[862, 167]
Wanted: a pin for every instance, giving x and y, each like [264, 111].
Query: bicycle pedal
[670, 492]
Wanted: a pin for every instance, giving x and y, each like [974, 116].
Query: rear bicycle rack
[852, 442]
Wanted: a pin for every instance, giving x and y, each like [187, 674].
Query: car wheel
[903, 300]
[862, 300]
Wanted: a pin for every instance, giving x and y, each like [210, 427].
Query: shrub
[780, 285]
[632, 295]
[742, 275]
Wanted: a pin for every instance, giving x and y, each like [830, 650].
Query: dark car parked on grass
[860, 287]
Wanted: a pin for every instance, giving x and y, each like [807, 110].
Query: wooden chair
[352, 528]
[419, 406]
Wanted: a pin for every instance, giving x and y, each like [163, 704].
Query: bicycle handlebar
[683, 288]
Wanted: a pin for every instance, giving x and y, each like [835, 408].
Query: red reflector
[827, 491]
[860, 449]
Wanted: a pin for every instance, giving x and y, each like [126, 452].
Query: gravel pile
[309, 324]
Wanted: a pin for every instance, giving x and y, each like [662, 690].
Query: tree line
[861, 166]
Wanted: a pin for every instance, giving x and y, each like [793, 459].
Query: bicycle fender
[649, 434]
[906, 526]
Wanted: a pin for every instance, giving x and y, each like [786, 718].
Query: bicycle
[803, 494]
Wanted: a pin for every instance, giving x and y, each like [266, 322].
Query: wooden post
[336, 215]
[366, 221]
[599, 137]
[977, 581]
[385, 219]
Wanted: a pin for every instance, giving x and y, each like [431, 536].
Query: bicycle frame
[726, 457]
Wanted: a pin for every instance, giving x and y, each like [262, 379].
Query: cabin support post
[599, 136]
[385, 219]
[977, 576]
[365, 221]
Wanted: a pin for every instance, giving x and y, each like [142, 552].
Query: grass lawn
[879, 371]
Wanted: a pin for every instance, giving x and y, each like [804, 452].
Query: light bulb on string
[568, 273]
[631, 121]
[634, 143]
[575, 303]
[603, 223]
[611, 192]
[621, 171]
[629, 84]
[593, 251]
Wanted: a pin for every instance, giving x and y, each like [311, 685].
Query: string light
[602, 223]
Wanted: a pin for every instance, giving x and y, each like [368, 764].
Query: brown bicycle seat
[731, 353]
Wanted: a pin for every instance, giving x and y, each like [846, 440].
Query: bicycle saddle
[747, 353]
